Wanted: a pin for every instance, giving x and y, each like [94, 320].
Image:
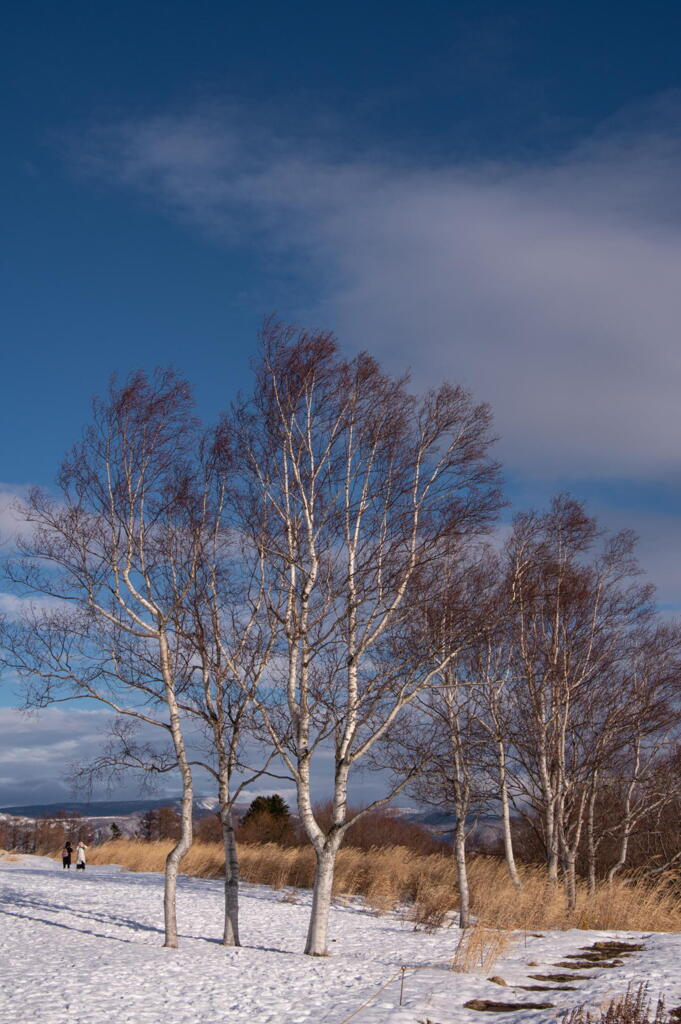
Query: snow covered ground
[86, 949]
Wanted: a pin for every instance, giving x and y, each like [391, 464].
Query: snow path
[86, 949]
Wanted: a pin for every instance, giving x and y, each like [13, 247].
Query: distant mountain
[106, 808]
[484, 829]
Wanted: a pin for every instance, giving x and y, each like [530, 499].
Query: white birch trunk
[462, 873]
[550, 824]
[569, 850]
[624, 850]
[317, 933]
[185, 841]
[627, 823]
[506, 819]
[174, 858]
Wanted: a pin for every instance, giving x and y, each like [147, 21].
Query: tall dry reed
[634, 1007]
[479, 948]
[394, 877]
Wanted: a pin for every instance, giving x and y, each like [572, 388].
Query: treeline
[313, 589]
[48, 833]
[269, 820]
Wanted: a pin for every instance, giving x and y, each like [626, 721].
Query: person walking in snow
[66, 855]
[80, 856]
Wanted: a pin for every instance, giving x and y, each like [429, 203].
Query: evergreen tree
[274, 805]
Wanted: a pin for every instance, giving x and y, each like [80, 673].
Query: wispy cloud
[11, 524]
[551, 289]
[14, 607]
[39, 747]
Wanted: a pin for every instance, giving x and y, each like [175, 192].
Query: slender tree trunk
[624, 849]
[316, 944]
[231, 928]
[569, 849]
[506, 819]
[627, 822]
[326, 849]
[462, 872]
[230, 933]
[570, 881]
[461, 795]
[552, 859]
[174, 858]
[185, 841]
[550, 830]
[590, 839]
[554, 824]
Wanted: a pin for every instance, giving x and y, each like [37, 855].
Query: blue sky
[481, 191]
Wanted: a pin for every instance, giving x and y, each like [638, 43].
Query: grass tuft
[634, 1007]
[479, 948]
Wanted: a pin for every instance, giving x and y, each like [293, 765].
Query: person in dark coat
[66, 855]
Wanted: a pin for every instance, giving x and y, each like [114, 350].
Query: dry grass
[629, 904]
[479, 949]
[392, 877]
[4, 855]
[634, 1007]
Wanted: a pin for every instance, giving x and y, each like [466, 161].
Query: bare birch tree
[576, 614]
[352, 486]
[637, 778]
[490, 666]
[441, 742]
[116, 556]
[228, 630]
[449, 775]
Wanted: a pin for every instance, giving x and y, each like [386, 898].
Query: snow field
[86, 949]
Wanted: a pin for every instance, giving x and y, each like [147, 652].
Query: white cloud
[15, 607]
[550, 289]
[287, 793]
[11, 606]
[11, 525]
[39, 748]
